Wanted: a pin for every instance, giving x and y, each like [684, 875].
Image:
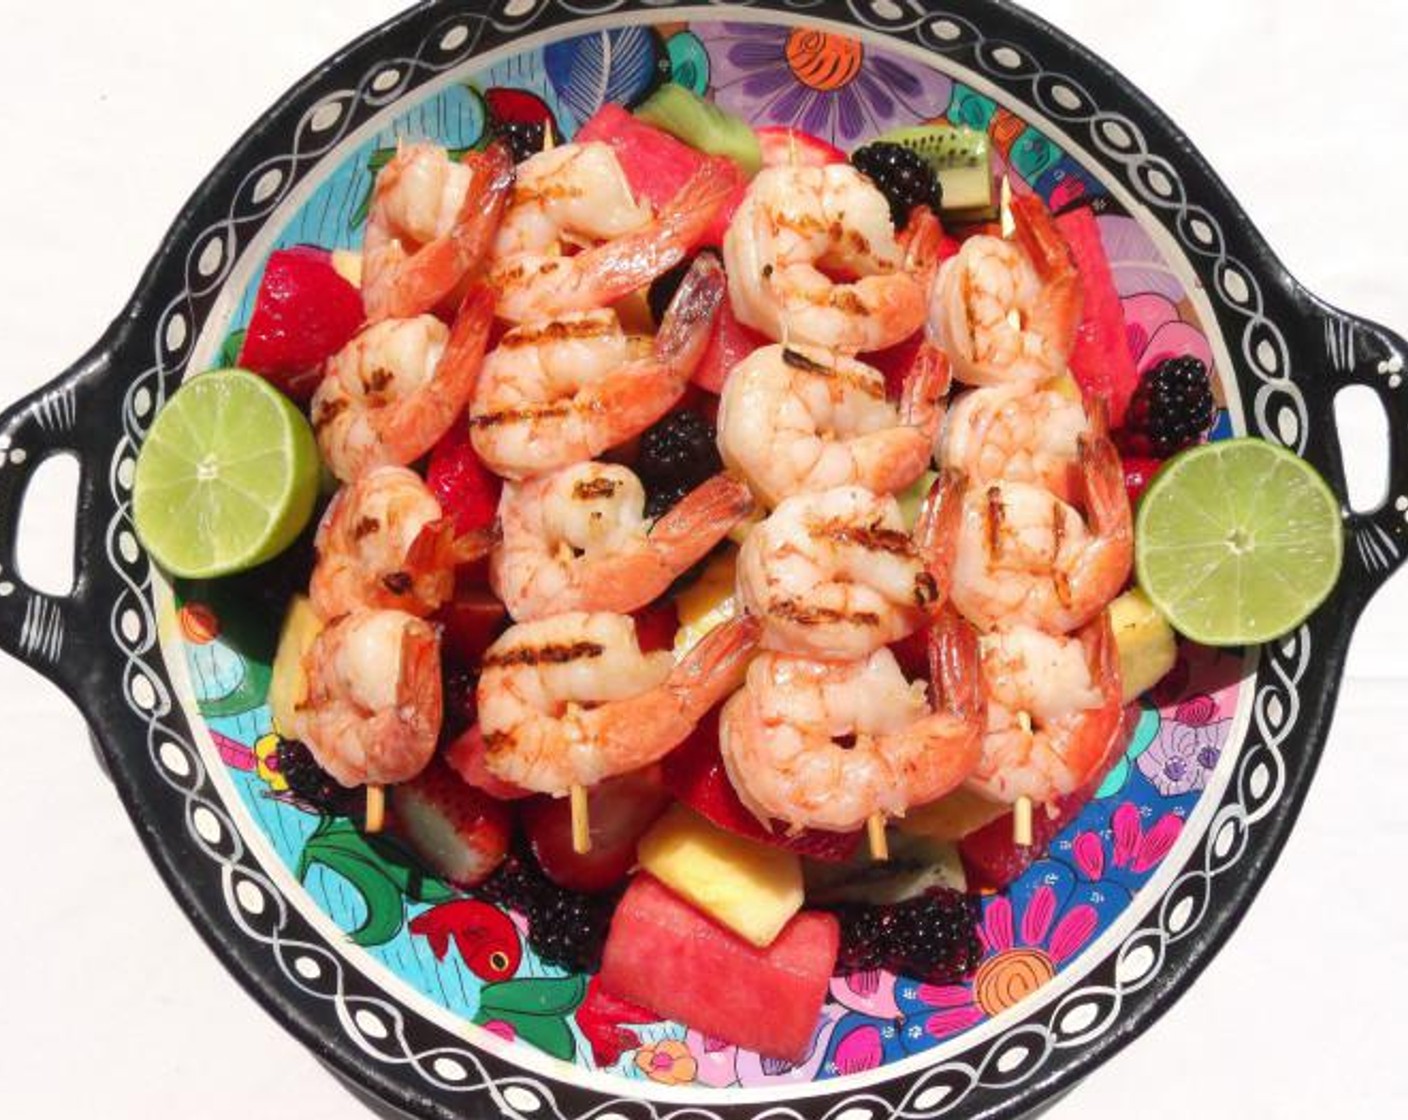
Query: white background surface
[112, 1006]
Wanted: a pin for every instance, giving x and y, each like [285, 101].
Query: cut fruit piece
[472, 622]
[227, 477]
[749, 887]
[288, 683]
[694, 772]
[790, 147]
[912, 500]
[1147, 646]
[916, 865]
[468, 490]
[729, 345]
[1100, 359]
[953, 816]
[619, 811]
[664, 954]
[304, 313]
[466, 757]
[1238, 542]
[656, 626]
[703, 125]
[460, 832]
[1138, 474]
[962, 159]
[708, 602]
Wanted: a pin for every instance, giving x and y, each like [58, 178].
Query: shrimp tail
[937, 533]
[928, 382]
[1039, 237]
[921, 240]
[688, 323]
[1097, 413]
[715, 667]
[955, 668]
[1106, 498]
[684, 534]
[1103, 656]
[475, 545]
[418, 712]
[620, 267]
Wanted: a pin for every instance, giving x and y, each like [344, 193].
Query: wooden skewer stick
[581, 821]
[1022, 822]
[376, 808]
[879, 845]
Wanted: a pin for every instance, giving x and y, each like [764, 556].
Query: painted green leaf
[230, 352]
[249, 694]
[534, 995]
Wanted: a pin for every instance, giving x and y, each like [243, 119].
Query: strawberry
[896, 362]
[1138, 473]
[600, 1018]
[620, 810]
[790, 147]
[656, 626]
[912, 653]
[465, 756]
[305, 313]
[460, 832]
[694, 773]
[467, 489]
[472, 620]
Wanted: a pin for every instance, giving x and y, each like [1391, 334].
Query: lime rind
[1238, 542]
[227, 478]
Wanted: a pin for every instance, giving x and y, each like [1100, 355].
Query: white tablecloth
[112, 1005]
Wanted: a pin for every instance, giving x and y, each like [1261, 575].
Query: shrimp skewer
[1055, 712]
[570, 700]
[780, 736]
[389, 395]
[794, 221]
[836, 575]
[373, 710]
[386, 543]
[432, 223]
[535, 287]
[1026, 558]
[796, 419]
[561, 394]
[1007, 311]
[578, 540]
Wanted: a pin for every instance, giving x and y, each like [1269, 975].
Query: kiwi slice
[916, 864]
[703, 125]
[962, 159]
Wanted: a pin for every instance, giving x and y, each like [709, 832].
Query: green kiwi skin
[962, 159]
[703, 125]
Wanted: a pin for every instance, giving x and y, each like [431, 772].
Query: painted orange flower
[668, 1062]
[267, 763]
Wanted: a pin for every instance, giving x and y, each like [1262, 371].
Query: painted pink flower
[871, 992]
[1157, 331]
[1130, 847]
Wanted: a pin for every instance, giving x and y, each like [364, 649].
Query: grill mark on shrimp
[804, 615]
[552, 654]
[591, 489]
[872, 538]
[871, 387]
[329, 412]
[994, 518]
[571, 330]
[365, 528]
[398, 583]
[519, 415]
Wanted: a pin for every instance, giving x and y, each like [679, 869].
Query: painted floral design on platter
[470, 957]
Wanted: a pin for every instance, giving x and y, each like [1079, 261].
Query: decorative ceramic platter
[432, 998]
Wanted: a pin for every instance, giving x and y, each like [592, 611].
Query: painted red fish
[486, 937]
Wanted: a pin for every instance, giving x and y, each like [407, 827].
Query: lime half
[227, 477]
[1238, 542]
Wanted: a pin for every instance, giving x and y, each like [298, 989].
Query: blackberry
[903, 176]
[1172, 408]
[933, 938]
[664, 287]
[524, 138]
[459, 687]
[565, 928]
[309, 783]
[676, 454]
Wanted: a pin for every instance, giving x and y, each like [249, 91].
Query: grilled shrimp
[373, 709]
[571, 700]
[578, 540]
[797, 419]
[1054, 711]
[1026, 558]
[1007, 311]
[781, 736]
[836, 574]
[1020, 433]
[581, 191]
[385, 542]
[563, 393]
[432, 223]
[388, 396]
[797, 221]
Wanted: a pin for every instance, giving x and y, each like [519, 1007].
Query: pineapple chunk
[348, 264]
[1148, 648]
[708, 602]
[912, 500]
[749, 887]
[951, 817]
[1067, 386]
[288, 684]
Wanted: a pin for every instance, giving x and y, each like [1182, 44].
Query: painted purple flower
[822, 82]
[1184, 756]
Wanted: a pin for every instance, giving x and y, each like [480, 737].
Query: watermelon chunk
[1100, 360]
[656, 164]
[729, 345]
[664, 954]
[694, 772]
[791, 147]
